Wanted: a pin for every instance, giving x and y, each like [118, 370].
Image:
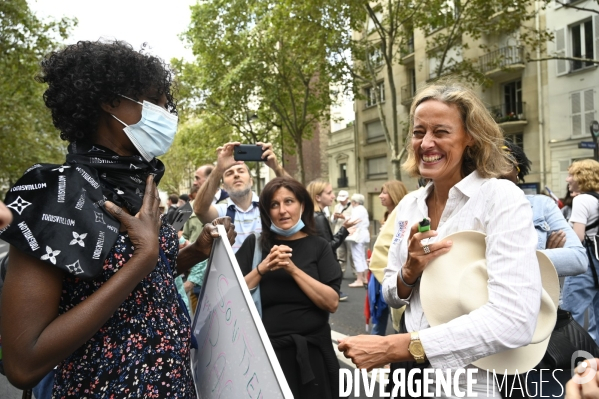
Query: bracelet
[258, 270]
[404, 281]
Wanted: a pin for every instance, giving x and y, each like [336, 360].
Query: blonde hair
[586, 174]
[485, 155]
[316, 187]
[396, 190]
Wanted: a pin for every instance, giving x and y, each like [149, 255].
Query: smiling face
[385, 198]
[327, 197]
[237, 181]
[439, 141]
[285, 209]
[573, 186]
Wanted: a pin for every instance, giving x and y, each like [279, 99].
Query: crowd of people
[99, 289]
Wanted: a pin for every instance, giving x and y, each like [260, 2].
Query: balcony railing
[407, 94]
[408, 48]
[501, 58]
[342, 182]
[503, 113]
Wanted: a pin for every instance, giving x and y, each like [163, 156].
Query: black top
[324, 230]
[285, 308]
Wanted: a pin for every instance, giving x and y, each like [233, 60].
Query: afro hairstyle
[516, 153]
[83, 76]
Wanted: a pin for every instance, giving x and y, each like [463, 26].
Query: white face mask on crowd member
[153, 135]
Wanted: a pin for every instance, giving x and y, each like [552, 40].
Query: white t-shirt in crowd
[585, 210]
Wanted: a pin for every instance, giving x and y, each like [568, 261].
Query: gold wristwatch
[415, 348]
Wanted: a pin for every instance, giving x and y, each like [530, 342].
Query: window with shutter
[376, 168]
[576, 114]
[560, 51]
[374, 132]
[589, 109]
[582, 44]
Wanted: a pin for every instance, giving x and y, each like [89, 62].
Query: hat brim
[443, 294]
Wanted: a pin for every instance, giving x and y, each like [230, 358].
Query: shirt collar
[468, 186]
[255, 200]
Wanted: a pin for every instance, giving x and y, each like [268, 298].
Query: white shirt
[246, 222]
[362, 227]
[499, 209]
[585, 210]
[337, 223]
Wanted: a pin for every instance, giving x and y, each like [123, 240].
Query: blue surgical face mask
[153, 135]
[291, 231]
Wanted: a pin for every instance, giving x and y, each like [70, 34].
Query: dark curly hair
[517, 155]
[302, 196]
[83, 76]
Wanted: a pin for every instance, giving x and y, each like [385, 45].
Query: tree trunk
[396, 166]
[258, 187]
[300, 161]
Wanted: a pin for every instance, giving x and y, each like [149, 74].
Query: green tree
[194, 145]
[383, 32]
[266, 58]
[27, 135]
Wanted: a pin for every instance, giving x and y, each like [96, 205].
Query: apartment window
[512, 98]
[452, 57]
[450, 12]
[582, 43]
[374, 132]
[577, 41]
[583, 111]
[371, 94]
[517, 138]
[343, 170]
[342, 180]
[376, 168]
[375, 56]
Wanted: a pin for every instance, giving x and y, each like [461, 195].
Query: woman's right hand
[417, 258]
[144, 227]
[351, 223]
[278, 257]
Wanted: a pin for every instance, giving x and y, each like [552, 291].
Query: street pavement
[349, 318]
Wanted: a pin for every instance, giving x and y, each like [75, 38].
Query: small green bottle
[424, 225]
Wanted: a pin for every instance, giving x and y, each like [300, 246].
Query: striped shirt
[246, 221]
[499, 209]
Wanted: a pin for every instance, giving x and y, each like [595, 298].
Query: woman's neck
[320, 207]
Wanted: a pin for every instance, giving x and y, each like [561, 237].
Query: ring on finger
[426, 249]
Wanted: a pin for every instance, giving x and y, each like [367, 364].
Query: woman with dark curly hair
[91, 286]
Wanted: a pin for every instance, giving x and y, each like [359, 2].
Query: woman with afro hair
[91, 263]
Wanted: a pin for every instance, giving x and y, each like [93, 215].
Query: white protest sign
[235, 358]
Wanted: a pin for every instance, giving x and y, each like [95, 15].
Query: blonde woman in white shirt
[456, 145]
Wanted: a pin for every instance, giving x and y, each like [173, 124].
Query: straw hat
[455, 284]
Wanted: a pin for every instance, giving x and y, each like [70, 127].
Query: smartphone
[248, 152]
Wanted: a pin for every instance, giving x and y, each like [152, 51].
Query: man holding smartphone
[242, 203]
